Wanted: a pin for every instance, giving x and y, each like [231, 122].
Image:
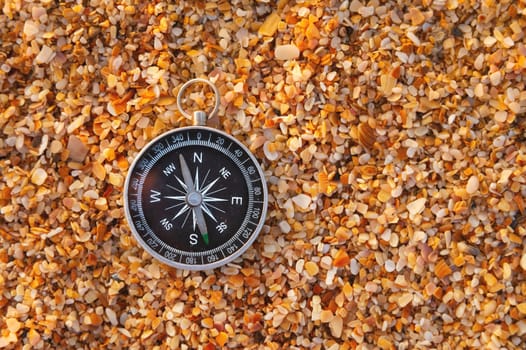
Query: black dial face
[195, 198]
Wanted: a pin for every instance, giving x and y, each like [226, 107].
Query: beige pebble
[355, 6]
[405, 299]
[13, 324]
[30, 29]
[472, 185]
[77, 149]
[56, 146]
[326, 316]
[39, 176]
[489, 307]
[101, 203]
[336, 326]
[284, 226]
[45, 55]
[286, 52]
[495, 78]
[112, 316]
[416, 207]
[501, 116]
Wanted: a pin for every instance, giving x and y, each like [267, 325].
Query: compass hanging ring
[199, 117]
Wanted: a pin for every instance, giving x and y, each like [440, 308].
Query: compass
[195, 197]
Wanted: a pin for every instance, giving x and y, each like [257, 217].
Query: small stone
[284, 227]
[39, 176]
[311, 268]
[270, 26]
[384, 343]
[489, 41]
[45, 55]
[442, 269]
[98, 170]
[389, 265]
[302, 200]
[336, 326]
[116, 179]
[286, 52]
[77, 149]
[326, 316]
[416, 207]
[489, 308]
[34, 337]
[416, 16]
[30, 29]
[101, 203]
[221, 339]
[270, 151]
[341, 258]
[355, 6]
[472, 185]
[112, 316]
[495, 78]
[207, 322]
[501, 116]
[405, 299]
[13, 325]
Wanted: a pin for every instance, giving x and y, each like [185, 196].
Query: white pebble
[284, 227]
[30, 29]
[355, 266]
[302, 200]
[389, 265]
[45, 55]
[366, 11]
[499, 141]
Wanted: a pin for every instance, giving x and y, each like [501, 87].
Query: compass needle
[186, 174]
[201, 223]
[196, 181]
[195, 197]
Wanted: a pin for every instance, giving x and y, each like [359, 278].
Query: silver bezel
[215, 264]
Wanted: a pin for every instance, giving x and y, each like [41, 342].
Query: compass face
[195, 198]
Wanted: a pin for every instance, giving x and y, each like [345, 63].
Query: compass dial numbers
[195, 197]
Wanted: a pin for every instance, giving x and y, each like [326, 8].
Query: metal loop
[194, 81]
